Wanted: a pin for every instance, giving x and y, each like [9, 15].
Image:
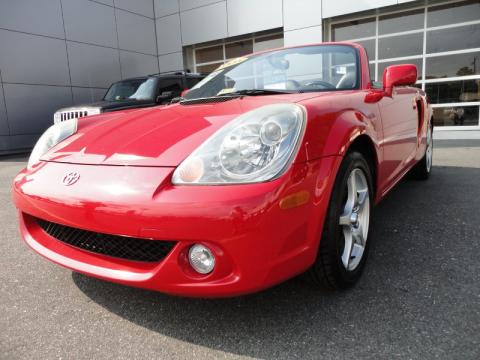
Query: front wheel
[423, 169]
[344, 244]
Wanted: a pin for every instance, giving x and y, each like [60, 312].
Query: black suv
[132, 93]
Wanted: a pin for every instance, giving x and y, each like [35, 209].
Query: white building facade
[441, 37]
[61, 52]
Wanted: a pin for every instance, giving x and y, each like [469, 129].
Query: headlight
[54, 135]
[257, 146]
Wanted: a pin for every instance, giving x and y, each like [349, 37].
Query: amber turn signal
[294, 200]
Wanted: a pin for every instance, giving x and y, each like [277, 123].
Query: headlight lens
[257, 146]
[53, 136]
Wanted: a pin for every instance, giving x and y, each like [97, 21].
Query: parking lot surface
[419, 297]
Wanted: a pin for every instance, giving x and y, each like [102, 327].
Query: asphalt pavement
[419, 297]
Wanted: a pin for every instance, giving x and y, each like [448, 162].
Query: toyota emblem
[71, 178]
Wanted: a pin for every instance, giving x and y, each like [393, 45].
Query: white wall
[341, 7]
[248, 16]
[56, 53]
[302, 21]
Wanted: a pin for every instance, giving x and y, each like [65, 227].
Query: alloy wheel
[429, 151]
[355, 219]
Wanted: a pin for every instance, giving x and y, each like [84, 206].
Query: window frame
[225, 42]
[423, 57]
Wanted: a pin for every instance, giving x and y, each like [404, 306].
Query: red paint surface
[126, 159]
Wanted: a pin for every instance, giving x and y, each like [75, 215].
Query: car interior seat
[347, 81]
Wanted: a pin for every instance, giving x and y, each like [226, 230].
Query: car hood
[160, 136]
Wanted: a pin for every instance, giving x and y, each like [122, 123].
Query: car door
[400, 128]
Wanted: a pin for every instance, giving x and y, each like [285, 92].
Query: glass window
[417, 62]
[369, 46]
[300, 69]
[268, 42]
[453, 13]
[453, 91]
[192, 81]
[463, 37]
[353, 29]
[206, 69]
[138, 89]
[456, 116]
[411, 20]
[217, 52]
[453, 65]
[170, 85]
[399, 46]
[238, 49]
[213, 53]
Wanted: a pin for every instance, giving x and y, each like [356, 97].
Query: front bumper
[256, 242]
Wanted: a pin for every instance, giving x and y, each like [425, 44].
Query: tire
[423, 169]
[334, 269]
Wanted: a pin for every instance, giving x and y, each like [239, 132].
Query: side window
[191, 82]
[170, 84]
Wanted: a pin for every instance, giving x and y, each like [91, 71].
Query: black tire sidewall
[429, 171]
[333, 233]
[420, 171]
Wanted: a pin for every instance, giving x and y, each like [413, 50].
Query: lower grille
[111, 245]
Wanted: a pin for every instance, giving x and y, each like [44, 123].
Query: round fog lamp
[201, 259]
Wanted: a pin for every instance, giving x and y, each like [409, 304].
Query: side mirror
[166, 95]
[184, 92]
[398, 75]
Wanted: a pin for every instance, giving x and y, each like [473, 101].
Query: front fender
[332, 133]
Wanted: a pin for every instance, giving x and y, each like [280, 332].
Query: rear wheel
[344, 244]
[423, 168]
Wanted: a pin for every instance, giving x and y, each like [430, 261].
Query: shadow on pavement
[417, 295]
[14, 158]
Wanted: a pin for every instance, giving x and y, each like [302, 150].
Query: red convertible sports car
[268, 168]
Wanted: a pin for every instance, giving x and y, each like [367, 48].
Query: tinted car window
[137, 89]
[191, 82]
[170, 84]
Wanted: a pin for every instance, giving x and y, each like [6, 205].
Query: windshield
[302, 69]
[136, 89]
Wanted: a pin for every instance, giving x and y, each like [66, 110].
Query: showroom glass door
[442, 39]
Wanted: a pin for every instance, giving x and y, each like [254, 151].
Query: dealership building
[56, 53]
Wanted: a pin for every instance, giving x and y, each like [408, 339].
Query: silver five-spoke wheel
[429, 151]
[355, 219]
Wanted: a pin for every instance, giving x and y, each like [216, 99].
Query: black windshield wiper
[255, 92]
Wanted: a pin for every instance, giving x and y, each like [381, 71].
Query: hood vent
[209, 100]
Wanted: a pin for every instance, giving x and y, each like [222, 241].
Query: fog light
[201, 259]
